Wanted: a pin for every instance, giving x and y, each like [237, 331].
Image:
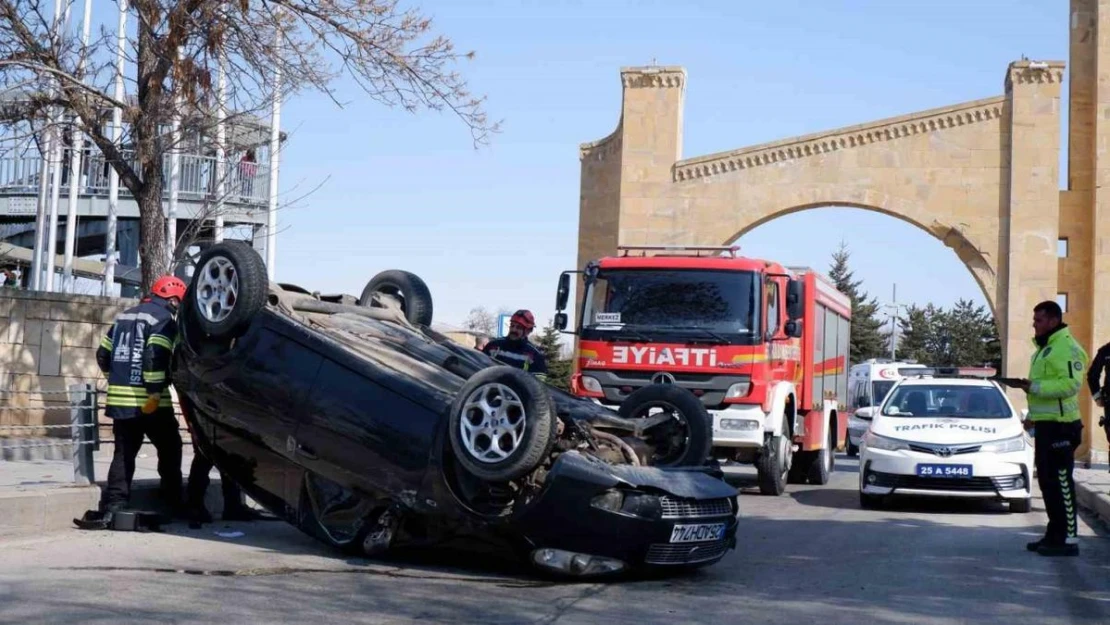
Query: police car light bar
[947, 372]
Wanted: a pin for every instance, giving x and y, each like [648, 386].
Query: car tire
[850, 449]
[1021, 506]
[699, 428]
[415, 297]
[533, 421]
[228, 269]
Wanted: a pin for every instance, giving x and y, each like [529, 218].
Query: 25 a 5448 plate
[697, 532]
[944, 470]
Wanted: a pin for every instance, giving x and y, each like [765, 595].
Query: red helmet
[524, 318]
[168, 286]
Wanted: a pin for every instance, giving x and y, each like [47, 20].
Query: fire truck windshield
[693, 303]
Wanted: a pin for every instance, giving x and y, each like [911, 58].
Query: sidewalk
[38, 496]
[1093, 489]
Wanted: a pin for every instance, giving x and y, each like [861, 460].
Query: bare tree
[177, 52]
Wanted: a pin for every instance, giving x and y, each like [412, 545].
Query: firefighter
[1097, 384]
[136, 356]
[515, 349]
[1052, 389]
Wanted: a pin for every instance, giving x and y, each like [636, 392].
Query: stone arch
[975, 260]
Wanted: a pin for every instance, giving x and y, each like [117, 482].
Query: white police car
[946, 432]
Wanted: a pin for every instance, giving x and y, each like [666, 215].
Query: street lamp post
[894, 306]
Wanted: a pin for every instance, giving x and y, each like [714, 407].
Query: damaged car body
[354, 421]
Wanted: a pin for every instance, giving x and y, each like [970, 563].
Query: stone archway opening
[815, 232]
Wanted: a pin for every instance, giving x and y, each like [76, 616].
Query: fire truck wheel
[682, 441]
[822, 466]
[774, 462]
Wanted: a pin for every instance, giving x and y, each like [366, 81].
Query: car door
[361, 433]
[262, 402]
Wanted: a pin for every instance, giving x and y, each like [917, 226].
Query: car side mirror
[793, 329]
[866, 414]
[795, 299]
[560, 321]
[563, 292]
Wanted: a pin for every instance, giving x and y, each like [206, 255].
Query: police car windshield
[946, 400]
[686, 301]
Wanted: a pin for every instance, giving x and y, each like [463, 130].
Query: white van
[868, 384]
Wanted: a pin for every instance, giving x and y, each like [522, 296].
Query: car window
[945, 400]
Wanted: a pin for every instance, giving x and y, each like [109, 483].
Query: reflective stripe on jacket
[1056, 373]
[136, 354]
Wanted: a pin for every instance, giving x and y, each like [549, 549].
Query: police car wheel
[502, 424]
[408, 288]
[228, 289]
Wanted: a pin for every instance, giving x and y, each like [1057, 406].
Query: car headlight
[642, 505]
[874, 441]
[1016, 443]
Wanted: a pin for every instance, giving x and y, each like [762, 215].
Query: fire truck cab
[764, 348]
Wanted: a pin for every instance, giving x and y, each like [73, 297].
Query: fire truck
[764, 347]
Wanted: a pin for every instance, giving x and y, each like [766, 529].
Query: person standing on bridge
[515, 350]
[1052, 389]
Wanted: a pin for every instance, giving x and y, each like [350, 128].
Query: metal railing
[82, 403]
[244, 183]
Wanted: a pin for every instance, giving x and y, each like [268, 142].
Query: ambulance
[868, 384]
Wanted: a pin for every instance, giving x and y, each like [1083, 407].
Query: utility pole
[893, 306]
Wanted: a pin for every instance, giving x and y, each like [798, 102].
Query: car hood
[946, 429]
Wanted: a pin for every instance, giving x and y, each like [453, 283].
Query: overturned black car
[355, 421]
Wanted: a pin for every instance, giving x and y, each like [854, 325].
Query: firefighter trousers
[161, 427]
[1054, 447]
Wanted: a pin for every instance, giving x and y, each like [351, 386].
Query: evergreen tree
[867, 338]
[558, 368]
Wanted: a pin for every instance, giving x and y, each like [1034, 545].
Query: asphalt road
[809, 556]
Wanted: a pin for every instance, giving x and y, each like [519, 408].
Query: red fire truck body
[763, 346]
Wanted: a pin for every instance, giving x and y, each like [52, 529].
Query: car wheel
[502, 424]
[1021, 506]
[686, 438]
[228, 289]
[413, 293]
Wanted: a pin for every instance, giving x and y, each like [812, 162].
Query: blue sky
[495, 226]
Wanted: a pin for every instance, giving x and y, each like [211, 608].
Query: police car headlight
[1016, 443]
[874, 441]
[591, 384]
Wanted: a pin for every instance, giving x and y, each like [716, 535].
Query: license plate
[944, 470]
[697, 533]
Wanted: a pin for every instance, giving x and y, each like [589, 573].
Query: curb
[25, 512]
[1094, 500]
[46, 509]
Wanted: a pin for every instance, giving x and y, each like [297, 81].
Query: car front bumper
[992, 475]
[685, 517]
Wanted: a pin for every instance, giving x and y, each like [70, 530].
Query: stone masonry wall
[48, 341]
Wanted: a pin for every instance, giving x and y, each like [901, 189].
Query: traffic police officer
[1099, 364]
[136, 355]
[515, 350]
[1055, 377]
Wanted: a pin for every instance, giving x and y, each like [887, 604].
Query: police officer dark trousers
[1052, 390]
[136, 354]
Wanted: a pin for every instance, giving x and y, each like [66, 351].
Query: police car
[946, 432]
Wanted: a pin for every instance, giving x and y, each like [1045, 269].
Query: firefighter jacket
[136, 354]
[1055, 376]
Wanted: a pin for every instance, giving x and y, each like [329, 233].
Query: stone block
[79, 362]
[37, 309]
[17, 358]
[83, 312]
[32, 331]
[77, 334]
[50, 352]
[7, 302]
